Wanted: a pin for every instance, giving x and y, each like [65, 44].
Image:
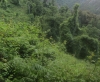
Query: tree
[45, 3]
[71, 25]
[84, 45]
[53, 2]
[74, 20]
[35, 7]
[15, 2]
[63, 9]
[3, 4]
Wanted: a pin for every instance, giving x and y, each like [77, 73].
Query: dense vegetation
[40, 42]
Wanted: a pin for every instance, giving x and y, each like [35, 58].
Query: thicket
[36, 39]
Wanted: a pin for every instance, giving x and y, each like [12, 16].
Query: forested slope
[88, 5]
[40, 42]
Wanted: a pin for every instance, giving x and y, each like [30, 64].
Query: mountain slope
[36, 40]
[25, 56]
[91, 5]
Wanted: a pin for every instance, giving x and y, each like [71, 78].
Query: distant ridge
[90, 5]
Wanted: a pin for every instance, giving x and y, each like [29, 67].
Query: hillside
[90, 5]
[41, 42]
[27, 56]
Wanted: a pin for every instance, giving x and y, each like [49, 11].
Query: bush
[84, 45]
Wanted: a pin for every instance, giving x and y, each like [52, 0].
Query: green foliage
[68, 69]
[86, 44]
[36, 39]
[35, 7]
[86, 18]
[63, 10]
[93, 32]
[15, 2]
[24, 53]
